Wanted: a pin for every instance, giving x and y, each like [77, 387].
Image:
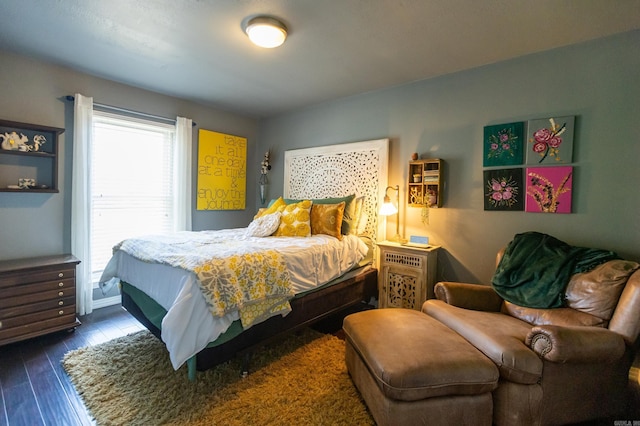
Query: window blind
[131, 182]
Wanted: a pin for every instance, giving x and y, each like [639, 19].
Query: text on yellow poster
[222, 171]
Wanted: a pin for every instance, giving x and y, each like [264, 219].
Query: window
[132, 193]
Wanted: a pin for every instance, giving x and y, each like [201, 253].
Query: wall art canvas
[503, 189]
[549, 189]
[550, 140]
[503, 144]
[222, 171]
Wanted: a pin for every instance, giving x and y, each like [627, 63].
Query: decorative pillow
[264, 225]
[348, 217]
[295, 220]
[272, 208]
[597, 292]
[357, 214]
[260, 212]
[327, 219]
[362, 224]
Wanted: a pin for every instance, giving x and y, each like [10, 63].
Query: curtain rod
[131, 112]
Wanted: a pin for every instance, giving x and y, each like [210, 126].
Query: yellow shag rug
[302, 380]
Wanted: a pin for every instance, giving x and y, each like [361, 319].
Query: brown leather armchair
[557, 366]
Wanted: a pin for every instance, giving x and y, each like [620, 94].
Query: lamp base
[398, 239]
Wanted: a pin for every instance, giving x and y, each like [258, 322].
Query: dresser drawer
[18, 279]
[36, 317]
[28, 299]
[60, 322]
[20, 290]
[57, 303]
[37, 296]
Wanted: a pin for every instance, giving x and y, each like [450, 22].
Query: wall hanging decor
[549, 189]
[263, 181]
[503, 144]
[503, 189]
[550, 140]
[222, 171]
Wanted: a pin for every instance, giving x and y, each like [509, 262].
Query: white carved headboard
[359, 168]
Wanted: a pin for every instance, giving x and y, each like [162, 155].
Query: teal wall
[598, 82]
[33, 92]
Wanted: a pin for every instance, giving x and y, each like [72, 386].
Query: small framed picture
[503, 144]
[503, 189]
[550, 140]
[549, 189]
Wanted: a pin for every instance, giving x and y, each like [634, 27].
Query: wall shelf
[21, 160]
[425, 183]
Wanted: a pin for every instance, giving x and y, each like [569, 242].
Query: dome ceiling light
[266, 32]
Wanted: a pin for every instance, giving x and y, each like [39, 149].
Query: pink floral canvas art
[550, 140]
[503, 189]
[549, 189]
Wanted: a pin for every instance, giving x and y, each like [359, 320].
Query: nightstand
[406, 275]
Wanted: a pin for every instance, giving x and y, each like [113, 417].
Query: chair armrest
[575, 344]
[469, 296]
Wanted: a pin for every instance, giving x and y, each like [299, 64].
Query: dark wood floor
[35, 389]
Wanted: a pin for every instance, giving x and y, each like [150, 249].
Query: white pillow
[264, 225]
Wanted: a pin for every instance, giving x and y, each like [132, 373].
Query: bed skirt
[307, 308]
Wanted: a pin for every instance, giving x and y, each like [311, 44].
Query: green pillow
[348, 218]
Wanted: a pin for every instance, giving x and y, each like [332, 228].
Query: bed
[171, 301]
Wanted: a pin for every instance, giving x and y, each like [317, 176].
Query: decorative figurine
[38, 141]
[13, 142]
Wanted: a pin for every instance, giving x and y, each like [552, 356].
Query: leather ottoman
[411, 369]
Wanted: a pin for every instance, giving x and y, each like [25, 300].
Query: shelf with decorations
[28, 157]
[425, 183]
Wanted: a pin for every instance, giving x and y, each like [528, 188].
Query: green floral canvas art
[503, 144]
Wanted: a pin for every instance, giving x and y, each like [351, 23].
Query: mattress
[189, 325]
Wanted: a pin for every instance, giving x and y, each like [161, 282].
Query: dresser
[37, 296]
[406, 275]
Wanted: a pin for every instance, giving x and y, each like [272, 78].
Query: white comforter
[189, 325]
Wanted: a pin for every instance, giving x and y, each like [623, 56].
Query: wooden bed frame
[305, 311]
[359, 168]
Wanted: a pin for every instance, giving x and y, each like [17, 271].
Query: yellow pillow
[271, 209]
[260, 212]
[327, 219]
[295, 220]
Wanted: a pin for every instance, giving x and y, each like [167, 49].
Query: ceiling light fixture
[266, 32]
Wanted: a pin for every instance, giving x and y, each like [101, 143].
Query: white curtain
[182, 175]
[81, 201]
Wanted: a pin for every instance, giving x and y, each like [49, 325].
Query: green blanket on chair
[536, 268]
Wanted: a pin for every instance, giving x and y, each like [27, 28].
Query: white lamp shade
[387, 209]
[266, 32]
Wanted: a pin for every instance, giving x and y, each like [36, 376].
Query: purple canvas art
[549, 189]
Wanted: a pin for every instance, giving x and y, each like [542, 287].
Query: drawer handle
[60, 312]
[60, 284]
[0, 324]
[61, 274]
[61, 293]
[60, 303]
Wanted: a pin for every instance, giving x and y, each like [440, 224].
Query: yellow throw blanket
[232, 274]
